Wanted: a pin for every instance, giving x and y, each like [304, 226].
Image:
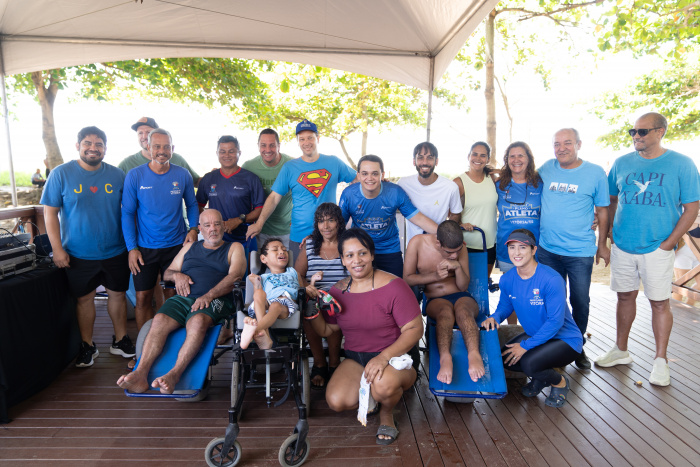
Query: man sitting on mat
[204, 273]
[440, 262]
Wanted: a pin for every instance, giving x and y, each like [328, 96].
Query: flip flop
[321, 371]
[387, 430]
[131, 364]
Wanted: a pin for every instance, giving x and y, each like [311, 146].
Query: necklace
[347, 289]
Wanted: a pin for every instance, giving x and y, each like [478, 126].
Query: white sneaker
[614, 357]
[660, 374]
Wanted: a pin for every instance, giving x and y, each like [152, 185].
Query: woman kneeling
[551, 339]
[380, 319]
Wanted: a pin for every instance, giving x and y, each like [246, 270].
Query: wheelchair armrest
[167, 284]
[301, 297]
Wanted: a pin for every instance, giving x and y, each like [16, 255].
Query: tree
[230, 83]
[342, 103]
[668, 29]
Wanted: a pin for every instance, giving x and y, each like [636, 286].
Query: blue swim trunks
[452, 298]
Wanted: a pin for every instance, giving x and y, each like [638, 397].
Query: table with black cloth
[38, 333]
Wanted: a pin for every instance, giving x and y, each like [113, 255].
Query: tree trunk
[489, 91]
[47, 96]
[364, 130]
[347, 156]
[507, 107]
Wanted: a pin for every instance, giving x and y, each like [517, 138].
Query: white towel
[404, 362]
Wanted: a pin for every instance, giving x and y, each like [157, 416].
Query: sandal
[131, 364]
[387, 430]
[321, 371]
[534, 387]
[557, 396]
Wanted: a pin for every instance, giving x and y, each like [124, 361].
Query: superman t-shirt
[311, 184]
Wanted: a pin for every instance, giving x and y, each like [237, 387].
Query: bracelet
[194, 228]
[135, 248]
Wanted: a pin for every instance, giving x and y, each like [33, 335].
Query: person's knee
[660, 306]
[87, 298]
[443, 313]
[627, 296]
[144, 298]
[385, 387]
[199, 323]
[336, 400]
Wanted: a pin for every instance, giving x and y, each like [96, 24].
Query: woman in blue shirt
[551, 338]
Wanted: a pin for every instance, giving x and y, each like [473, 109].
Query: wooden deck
[83, 418]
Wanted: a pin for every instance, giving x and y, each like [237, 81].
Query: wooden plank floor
[84, 419]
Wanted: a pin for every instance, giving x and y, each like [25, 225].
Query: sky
[538, 114]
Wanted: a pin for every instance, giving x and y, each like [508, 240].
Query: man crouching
[204, 273]
[440, 262]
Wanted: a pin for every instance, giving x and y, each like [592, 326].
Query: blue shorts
[452, 298]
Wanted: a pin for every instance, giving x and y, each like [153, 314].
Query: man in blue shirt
[312, 179]
[152, 222]
[372, 205]
[654, 195]
[235, 192]
[87, 242]
[573, 191]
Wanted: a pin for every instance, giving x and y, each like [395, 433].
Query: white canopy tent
[407, 41]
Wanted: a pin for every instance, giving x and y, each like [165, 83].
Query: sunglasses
[641, 131]
[507, 197]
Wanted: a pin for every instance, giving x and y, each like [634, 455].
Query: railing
[679, 286]
[31, 218]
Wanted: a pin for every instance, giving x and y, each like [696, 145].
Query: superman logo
[315, 180]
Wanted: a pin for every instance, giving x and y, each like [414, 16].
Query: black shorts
[490, 254]
[363, 358]
[157, 261]
[84, 275]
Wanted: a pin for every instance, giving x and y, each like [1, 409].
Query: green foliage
[341, 103]
[671, 90]
[21, 178]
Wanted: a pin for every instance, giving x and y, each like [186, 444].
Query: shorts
[685, 259]
[490, 254]
[389, 262]
[179, 308]
[157, 261]
[85, 275]
[655, 270]
[364, 357]
[452, 298]
[283, 299]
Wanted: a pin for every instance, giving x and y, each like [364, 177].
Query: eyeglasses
[507, 196]
[642, 131]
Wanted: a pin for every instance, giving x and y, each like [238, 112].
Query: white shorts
[284, 299]
[685, 259]
[655, 270]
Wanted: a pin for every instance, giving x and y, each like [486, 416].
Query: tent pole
[431, 82]
[5, 114]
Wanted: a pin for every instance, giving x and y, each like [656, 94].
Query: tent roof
[408, 41]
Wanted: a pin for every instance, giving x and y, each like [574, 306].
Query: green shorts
[179, 308]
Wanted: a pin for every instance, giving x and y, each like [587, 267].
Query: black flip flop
[387, 430]
[321, 371]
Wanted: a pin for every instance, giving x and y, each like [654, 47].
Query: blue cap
[306, 125]
[520, 237]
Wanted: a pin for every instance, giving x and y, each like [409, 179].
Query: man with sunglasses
[574, 190]
[233, 191]
[654, 195]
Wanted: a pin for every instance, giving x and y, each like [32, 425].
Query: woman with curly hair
[319, 267]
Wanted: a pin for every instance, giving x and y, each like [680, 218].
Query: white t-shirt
[434, 201]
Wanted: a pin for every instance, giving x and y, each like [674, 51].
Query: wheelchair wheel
[142, 337]
[286, 455]
[215, 458]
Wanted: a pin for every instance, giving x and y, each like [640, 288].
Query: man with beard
[142, 128]
[87, 242]
[434, 195]
[152, 222]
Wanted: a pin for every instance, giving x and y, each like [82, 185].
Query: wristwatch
[242, 218]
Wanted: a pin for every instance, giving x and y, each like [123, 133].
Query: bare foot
[445, 373]
[476, 366]
[134, 382]
[249, 327]
[263, 340]
[165, 383]
[224, 335]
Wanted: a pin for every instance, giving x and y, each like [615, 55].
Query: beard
[421, 174]
[91, 162]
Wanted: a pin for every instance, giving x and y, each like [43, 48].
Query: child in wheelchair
[274, 297]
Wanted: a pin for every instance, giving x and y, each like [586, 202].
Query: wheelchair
[253, 368]
[462, 389]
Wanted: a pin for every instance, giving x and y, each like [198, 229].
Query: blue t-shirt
[275, 285]
[311, 184]
[650, 194]
[239, 193]
[569, 197]
[519, 207]
[152, 207]
[540, 303]
[90, 209]
[377, 216]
